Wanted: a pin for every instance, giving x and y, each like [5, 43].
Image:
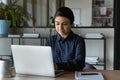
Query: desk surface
[107, 74]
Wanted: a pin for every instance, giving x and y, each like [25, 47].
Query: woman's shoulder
[51, 40]
[79, 39]
[78, 36]
[53, 37]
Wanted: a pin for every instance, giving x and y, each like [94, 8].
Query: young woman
[68, 48]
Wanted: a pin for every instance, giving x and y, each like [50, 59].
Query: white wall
[86, 10]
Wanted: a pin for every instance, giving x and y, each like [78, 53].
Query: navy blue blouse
[68, 54]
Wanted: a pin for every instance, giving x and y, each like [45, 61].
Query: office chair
[88, 66]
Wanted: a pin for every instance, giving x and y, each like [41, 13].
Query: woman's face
[62, 26]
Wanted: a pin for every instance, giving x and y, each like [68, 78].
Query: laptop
[34, 60]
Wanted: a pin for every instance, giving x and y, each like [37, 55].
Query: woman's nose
[61, 27]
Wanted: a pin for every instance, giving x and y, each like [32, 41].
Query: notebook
[88, 75]
[34, 60]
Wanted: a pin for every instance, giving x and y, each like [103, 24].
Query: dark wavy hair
[65, 12]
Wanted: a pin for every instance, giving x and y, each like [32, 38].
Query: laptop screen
[33, 60]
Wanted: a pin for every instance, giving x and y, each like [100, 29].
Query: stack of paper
[35, 35]
[91, 60]
[13, 35]
[88, 76]
[94, 35]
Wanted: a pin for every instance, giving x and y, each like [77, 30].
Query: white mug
[5, 70]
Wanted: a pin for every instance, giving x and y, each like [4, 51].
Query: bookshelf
[101, 64]
[102, 13]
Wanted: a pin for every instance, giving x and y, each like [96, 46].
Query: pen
[89, 73]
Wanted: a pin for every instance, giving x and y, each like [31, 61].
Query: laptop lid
[33, 60]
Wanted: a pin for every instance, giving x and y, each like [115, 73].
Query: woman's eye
[56, 23]
[64, 23]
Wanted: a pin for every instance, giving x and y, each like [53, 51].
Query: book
[92, 59]
[88, 76]
[94, 35]
[34, 35]
[14, 35]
